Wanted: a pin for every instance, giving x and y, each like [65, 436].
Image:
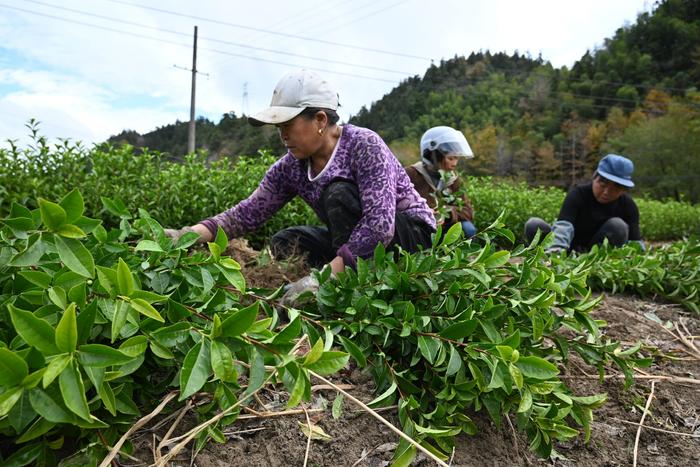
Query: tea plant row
[178, 194]
[98, 324]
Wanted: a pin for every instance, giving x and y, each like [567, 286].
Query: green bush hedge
[668, 220]
[178, 194]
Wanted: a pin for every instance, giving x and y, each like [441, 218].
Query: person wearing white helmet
[435, 180]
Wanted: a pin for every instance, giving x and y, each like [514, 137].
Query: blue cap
[617, 169]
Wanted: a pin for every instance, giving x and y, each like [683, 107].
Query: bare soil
[357, 439]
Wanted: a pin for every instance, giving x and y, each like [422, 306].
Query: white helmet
[447, 140]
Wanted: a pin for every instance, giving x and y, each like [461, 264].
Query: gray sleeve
[563, 234]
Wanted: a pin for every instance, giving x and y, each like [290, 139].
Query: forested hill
[636, 95]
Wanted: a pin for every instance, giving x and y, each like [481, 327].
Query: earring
[320, 131]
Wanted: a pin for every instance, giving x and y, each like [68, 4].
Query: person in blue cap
[595, 211]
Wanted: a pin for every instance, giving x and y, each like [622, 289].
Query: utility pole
[191, 132]
[191, 128]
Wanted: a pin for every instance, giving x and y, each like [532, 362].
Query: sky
[88, 69]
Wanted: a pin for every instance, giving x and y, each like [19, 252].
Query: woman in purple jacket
[347, 174]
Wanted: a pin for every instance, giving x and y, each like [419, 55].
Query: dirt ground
[357, 439]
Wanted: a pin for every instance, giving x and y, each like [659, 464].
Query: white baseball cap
[295, 92]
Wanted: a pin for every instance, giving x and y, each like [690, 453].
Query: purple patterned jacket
[362, 157]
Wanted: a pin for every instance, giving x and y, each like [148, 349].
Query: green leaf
[52, 215]
[196, 369]
[148, 245]
[174, 334]
[289, 333]
[73, 205]
[329, 362]
[315, 353]
[160, 351]
[455, 362]
[134, 346]
[115, 207]
[20, 225]
[13, 369]
[85, 320]
[121, 311]
[70, 231]
[240, 322]
[9, 398]
[73, 391]
[517, 376]
[459, 330]
[593, 402]
[221, 240]
[54, 368]
[146, 309]
[337, 409]
[187, 240]
[98, 355]
[525, 401]
[24, 456]
[256, 375]
[78, 294]
[31, 255]
[38, 278]
[406, 457]
[354, 350]
[40, 427]
[125, 281]
[301, 385]
[75, 256]
[52, 410]
[234, 277]
[453, 234]
[67, 331]
[58, 296]
[36, 332]
[429, 347]
[536, 367]
[383, 396]
[108, 279]
[107, 396]
[150, 297]
[222, 362]
[499, 258]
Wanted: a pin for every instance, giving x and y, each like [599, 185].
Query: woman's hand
[337, 265]
[204, 233]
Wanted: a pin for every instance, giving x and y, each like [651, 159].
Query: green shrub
[178, 194]
[95, 329]
[659, 221]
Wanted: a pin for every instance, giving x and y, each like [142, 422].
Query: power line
[222, 52]
[335, 27]
[313, 11]
[170, 31]
[276, 33]
[338, 16]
